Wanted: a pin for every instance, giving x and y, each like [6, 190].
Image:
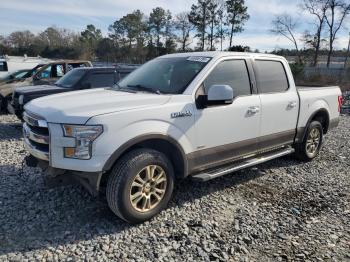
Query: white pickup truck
[197, 115]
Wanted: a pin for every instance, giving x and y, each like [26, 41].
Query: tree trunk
[347, 53]
[318, 43]
[211, 35]
[231, 35]
[331, 39]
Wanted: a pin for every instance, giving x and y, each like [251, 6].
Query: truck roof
[218, 54]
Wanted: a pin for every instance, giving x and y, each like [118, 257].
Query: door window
[100, 80]
[46, 73]
[271, 76]
[233, 73]
[71, 66]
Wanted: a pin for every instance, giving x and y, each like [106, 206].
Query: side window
[59, 71]
[46, 73]
[3, 66]
[71, 66]
[233, 73]
[271, 76]
[100, 80]
[121, 75]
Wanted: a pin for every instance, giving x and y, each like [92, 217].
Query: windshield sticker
[200, 59]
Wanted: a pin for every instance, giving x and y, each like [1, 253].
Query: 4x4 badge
[181, 114]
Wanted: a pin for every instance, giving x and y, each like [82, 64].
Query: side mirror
[220, 95]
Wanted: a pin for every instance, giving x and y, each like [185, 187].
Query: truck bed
[313, 98]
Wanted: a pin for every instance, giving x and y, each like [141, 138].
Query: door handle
[253, 110]
[292, 104]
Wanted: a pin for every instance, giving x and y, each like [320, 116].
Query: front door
[226, 132]
[50, 74]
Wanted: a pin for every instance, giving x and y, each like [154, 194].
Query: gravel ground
[283, 210]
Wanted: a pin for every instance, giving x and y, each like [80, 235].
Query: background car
[76, 79]
[16, 75]
[45, 74]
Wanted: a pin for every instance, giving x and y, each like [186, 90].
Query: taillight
[340, 102]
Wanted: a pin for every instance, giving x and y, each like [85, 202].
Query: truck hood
[40, 89]
[79, 106]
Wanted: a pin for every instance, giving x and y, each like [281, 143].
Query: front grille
[36, 136]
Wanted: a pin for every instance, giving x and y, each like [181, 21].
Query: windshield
[164, 75]
[71, 78]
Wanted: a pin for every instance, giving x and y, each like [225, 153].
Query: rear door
[279, 104]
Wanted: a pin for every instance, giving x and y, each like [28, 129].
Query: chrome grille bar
[31, 135]
[36, 136]
[34, 121]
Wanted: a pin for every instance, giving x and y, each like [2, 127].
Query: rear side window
[271, 76]
[100, 80]
[3, 66]
[71, 66]
[233, 73]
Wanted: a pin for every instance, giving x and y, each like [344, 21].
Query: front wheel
[140, 185]
[309, 148]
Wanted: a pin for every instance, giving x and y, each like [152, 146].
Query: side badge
[181, 114]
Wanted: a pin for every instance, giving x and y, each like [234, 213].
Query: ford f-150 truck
[192, 115]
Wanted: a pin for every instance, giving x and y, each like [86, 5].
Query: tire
[127, 173]
[303, 150]
[3, 104]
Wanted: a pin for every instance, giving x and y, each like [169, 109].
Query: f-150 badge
[181, 114]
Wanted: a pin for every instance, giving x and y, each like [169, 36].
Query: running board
[202, 177]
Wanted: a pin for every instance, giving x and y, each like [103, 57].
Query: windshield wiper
[144, 88]
[117, 87]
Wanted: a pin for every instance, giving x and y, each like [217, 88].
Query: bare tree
[317, 8]
[335, 16]
[184, 27]
[285, 25]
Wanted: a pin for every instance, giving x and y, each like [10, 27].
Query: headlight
[20, 99]
[84, 136]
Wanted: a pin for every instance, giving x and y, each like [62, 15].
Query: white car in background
[10, 64]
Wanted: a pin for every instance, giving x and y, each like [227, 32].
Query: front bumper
[54, 177]
[45, 143]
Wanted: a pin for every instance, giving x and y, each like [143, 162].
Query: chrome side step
[202, 177]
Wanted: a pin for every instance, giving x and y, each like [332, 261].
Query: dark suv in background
[76, 79]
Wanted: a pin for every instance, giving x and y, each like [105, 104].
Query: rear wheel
[140, 185]
[309, 148]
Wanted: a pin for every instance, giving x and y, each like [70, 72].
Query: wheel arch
[160, 142]
[320, 115]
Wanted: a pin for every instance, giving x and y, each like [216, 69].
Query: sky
[37, 15]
